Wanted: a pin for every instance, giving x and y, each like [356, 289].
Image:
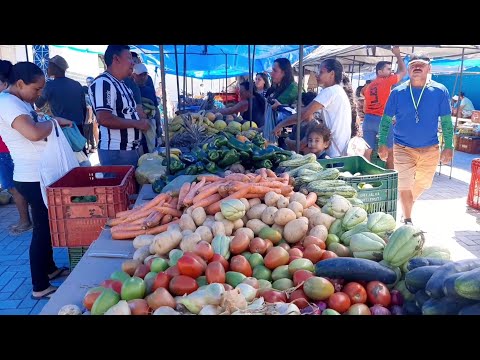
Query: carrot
[215, 207]
[173, 203]
[311, 199]
[169, 211]
[223, 190]
[271, 184]
[191, 191]
[206, 193]
[263, 173]
[211, 178]
[251, 176]
[138, 215]
[237, 177]
[199, 186]
[153, 219]
[159, 229]
[258, 178]
[287, 189]
[254, 196]
[115, 221]
[316, 206]
[127, 234]
[155, 201]
[262, 190]
[126, 227]
[285, 176]
[166, 219]
[124, 214]
[181, 196]
[206, 201]
[270, 173]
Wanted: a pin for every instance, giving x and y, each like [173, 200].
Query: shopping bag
[58, 159]
[75, 138]
[269, 124]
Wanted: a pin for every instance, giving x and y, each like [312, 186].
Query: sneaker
[406, 221]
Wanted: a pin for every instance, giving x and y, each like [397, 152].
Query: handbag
[74, 137]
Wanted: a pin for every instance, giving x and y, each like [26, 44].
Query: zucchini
[314, 166]
[326, 174]
[344, 190]
[306, 159]
[353, 269]
[434, 287]
[323, 183]
[470, 310]
[420, 298]
[411, 308]
[416, 279]
[445, 306]
[417, 262]
[468, 284]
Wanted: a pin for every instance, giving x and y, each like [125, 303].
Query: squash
[379, 222]
[338, 206]
[221, 245]
[353, 217]
[367, 245]
[232, 209]
[405, 242]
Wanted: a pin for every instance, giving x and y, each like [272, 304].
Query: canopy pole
[250, 100]
[359, 69]
[456, 116]
[184, 75]
[26, 51]
[164, 103]
[192, 85]
[176, 75]
[352, 68]
[226, 80]
[299, 99]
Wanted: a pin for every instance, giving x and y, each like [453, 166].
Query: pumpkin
[232, 209]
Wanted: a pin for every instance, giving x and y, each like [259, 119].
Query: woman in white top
[24, 133]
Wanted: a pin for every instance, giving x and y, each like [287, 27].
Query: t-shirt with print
[376, 94]
[338, 117]
[3, 147]
[25, 154]
[107, 93]
[434, 103]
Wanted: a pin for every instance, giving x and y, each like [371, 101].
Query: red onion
[397, 298]
[379, 310]
[397, 310]
[310, 310]
[321, 305]
[337, 284]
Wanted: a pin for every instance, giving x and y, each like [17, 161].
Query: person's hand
[446, 156]
[383, 152]
[64, 122]
[275, 104]
[142, 124]
[277, 130]
[396, 50]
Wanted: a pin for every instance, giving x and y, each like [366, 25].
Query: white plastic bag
[357, 146]
[57, 160]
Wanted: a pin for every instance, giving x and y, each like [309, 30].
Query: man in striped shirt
[114, 105]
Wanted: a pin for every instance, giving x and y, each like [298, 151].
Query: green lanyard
[416, 104]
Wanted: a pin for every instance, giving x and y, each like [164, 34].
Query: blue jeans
[6, 171]
[119, 157]
[371, 124]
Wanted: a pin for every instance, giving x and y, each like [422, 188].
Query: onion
[248, 291]
[321, 305]
[311, 310]
[337, 284]
[379, 310]
[397, 310]
[165, 310]
[397, 297]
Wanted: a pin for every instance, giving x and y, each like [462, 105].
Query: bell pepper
[175, 165]
[259, 140]
[229, 158]
[191, 170]
[205, 147]
[211, 167]
[279, 150]
[244, 156]
[220, 141]
[188, 159]
[268, 153]
[236, 144]
[267, 164]
[278, 158]
[200, 167]
[214, 155]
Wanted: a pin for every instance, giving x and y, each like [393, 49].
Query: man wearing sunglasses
[416, 105]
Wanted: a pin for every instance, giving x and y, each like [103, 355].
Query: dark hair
[246, 86]
[307, 97]
[265, 78]
[55, 70]
[26, 71]
[358, 91]
[347, 86]
[320, 129]
[114, 50]
[286, 66]
[85, 89]
[462, 94]
[380, 65]
[333, 65]
[134, 54]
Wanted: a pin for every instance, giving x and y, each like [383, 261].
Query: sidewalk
[441, 212]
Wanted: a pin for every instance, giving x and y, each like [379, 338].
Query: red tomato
[327, 254]
[276, 257]
[339, 302]
[355, 292]
[239, 264]
[218, 257]
[204, 250]
[115, 285]
[272, 296]
[139, 307]
[378, 293]
[258, 245]
[295, 251]
[309, 240]
[189, 266]
[141, 271]
[181, 285]
[313, 253]
[215, 273]
[269, 245]
[358, 309]
[239, 243]
[291, 258]
[199, 259]
[160, 297]
[91, 296]
[161, 281]
[301, 275]
[299, 247]
[172, 271]
[299, 298]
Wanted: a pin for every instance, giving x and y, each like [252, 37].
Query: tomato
[172, 271]
[204, 250]
[328, 255]
[115, 285]
[221, 259]
[291, 258]
[181, 285]
[299, 247]
[358, 309]
[309, 240]
[91, 296]
[299, 298]
[161, 281]
[160, 297]
[198, 258]
[215, 273]
[339, 302]
[285, 246]
[239, 243]
[272, 296]
[378, 293]
[269, 245]
[258, 245]
[355, 292]
[313, 253]
[189, 266]
[295, 252]
[240, 264]
[141, 271]
[139, 307]
[276, 257]
[300, 276]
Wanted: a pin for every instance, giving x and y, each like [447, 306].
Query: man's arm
[107, 119]
[306, 113]
[402, 68]
[447, 131]
[238, 107]
[384, 127]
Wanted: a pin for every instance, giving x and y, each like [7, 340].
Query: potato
[299, 197]
[175, 234]
[174, 227]
[218, 228]
[278, 228]
[254, 201]
[321, 219]
[205, 233]
[219, 216]
[187, 223]
[209, 223]
[269, 215]
[228, 225]
[188, 242]
[284, 216]
[256, 225]
[319, 231]
[295, 231]
[237, 224]
[142, 240]
[210, 217]
[256, 211]
[246, 203]
[282, 202]
[297, 208]
[271, 198]
[246, 231]
[199, 216]
[245, 220]
[309, 212]
[152, 248]
[166, 241]
[186, 233]
[145, 262]
[142, 253]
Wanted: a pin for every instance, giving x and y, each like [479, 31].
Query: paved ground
[441, 212]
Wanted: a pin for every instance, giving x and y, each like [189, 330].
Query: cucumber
[411, 308]
[445, 306]
[470, 310]
[416, 279]
[353, 269]
[468, 284]
[419, 262]
[434, 287]
[420, 298]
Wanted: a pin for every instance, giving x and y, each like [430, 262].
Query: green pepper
[279, 150]
[214, 155]
[268, 153]
[236, 144]
[220, 141]
[259, 140]
[205, 146]
[229, 158]
[191, 170]
[278, 158]
[267, 164]
[158, 185]
[211, 167]
[200, 167]
[244, 156]
[175, 165]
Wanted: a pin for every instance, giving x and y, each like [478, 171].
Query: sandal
[47, 295]
[15, 230]
[60, 272]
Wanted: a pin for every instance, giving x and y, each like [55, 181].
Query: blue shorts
[371, 124]
[6, 171]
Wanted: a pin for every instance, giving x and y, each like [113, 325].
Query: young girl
[318, 138]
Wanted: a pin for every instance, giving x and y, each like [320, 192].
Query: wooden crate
[469, 144]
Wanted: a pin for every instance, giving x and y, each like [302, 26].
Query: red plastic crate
[74, 224]
[473, 199]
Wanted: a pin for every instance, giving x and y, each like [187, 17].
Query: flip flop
[16, 230]
[64, 271]
[44, 296]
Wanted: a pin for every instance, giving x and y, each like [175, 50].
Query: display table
[103, 257]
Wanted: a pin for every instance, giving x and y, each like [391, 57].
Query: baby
[318, 139]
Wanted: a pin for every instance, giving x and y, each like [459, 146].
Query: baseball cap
[140, 69]
[419, 58]
[455, 97]
[60, 62]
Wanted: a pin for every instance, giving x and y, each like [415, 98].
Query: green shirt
[289, 95]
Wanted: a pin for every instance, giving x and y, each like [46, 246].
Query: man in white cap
[416, 104]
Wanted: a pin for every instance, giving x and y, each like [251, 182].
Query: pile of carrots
[155, 216]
